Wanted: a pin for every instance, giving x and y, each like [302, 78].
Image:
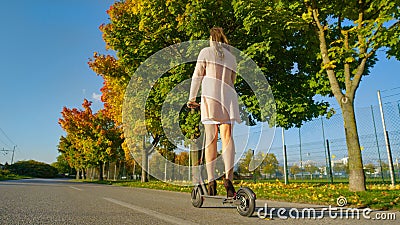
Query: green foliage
[320, 47]
[295, 169]
[244, 162]
[286, 54]
[92, 138]
[304, 48]
[62, 165]
[33, 168]
[138, 29]
[5, 174]
[268, 163]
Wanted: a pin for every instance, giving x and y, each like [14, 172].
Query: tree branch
[340, 16]
[347, 73]
[154, 143]
[361, 39]
[376, 12]
[375, 35]
[352, 85]
[393, 25]
[357, 78]
[335, 87]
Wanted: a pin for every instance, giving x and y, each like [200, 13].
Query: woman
[215, 71]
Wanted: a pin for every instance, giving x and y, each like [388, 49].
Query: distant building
[342, 161]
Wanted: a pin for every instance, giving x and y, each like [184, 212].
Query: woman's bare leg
[211, 132]
[228, 149]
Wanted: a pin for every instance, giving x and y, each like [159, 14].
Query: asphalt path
[59, 201]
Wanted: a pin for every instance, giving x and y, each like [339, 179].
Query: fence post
[285, 169]
[301, 157]
[377, 144]
[325, 150]
[189, 174]
[329, 161]
[390, 161]
[254, 167]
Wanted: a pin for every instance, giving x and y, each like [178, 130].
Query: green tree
[74, 156]
[270, 164]
[340, 37]
[139, 28]
[62, 165]
[93, 136]
[182, 159]
[245, 162]
[385, 167]
[341, 167]
[33, 168]
[295, 169]
[311, 168]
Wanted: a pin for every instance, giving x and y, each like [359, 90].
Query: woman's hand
[192, 104]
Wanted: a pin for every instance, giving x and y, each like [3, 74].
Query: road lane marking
[158, 215]
[76, 188]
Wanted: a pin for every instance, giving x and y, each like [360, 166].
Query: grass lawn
[12, 177]
[377, 196]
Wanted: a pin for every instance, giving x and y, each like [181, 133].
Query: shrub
[33, 168]
[4, 172]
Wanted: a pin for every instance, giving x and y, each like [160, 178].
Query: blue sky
[43, 66]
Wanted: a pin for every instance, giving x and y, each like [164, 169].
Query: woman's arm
[198, 74]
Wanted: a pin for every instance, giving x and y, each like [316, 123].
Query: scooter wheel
[247, 200]
[196, 197]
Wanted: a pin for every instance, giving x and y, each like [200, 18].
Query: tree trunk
[134, 169]
[356, 176]
[83, 174]
[144, 162]
[101, 177]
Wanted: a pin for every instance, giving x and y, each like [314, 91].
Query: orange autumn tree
[129, 36]
[115, 80]
[95, 137]
[72, 155]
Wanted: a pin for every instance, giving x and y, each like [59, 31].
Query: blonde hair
[218, 37]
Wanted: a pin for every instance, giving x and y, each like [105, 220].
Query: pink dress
[216, 74]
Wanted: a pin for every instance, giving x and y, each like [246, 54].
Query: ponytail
[219, 38]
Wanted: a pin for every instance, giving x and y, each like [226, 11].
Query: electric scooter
[244, 200]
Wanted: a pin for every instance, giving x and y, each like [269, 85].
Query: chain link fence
[318, 152]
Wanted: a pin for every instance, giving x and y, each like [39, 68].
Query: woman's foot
[212, 188]
[230, 190]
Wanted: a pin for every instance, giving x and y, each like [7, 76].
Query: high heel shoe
[230, 190]
[212, 188]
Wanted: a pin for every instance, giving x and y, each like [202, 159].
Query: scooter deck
[230, 200]
[215, 197]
